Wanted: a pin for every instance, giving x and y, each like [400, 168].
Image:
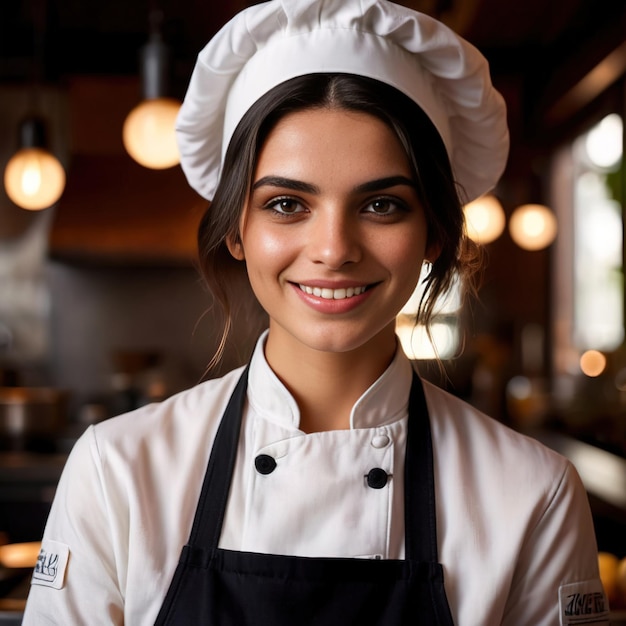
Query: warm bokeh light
[149, 135]
[20, 555]
[533, 226]
[34, 179]
[604, 142]
[485, 219]
[592, 363]
[416, 344]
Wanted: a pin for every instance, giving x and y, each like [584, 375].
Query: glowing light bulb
[31, 175]
[34, 179]
[533, 226]
[484, 218]
[149, 136]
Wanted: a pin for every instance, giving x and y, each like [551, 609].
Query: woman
[325, 483]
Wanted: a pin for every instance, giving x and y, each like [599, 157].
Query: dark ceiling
[544, 45]
[538, 50]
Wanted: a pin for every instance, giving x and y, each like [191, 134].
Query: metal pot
[31, 417]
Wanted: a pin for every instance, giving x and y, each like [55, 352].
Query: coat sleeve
[557, 572]
[81, 527]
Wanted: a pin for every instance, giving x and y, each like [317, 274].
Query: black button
[265, 464]
[377, 478]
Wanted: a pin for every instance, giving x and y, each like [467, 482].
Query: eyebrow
[287, 183]
[297, 185]
[385, 183]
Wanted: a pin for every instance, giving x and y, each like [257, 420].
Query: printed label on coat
[51, 564]
[583, 603]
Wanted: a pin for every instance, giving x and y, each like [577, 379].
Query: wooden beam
[589, 87]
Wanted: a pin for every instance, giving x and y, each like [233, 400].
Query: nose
[334, 239]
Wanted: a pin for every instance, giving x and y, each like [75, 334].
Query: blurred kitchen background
[101, 305]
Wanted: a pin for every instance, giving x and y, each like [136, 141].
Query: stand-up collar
[384, 402]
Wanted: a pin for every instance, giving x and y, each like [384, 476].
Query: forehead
[315, 141]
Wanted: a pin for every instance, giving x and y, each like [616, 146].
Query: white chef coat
[512, 516]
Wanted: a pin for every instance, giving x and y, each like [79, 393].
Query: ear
[235, 247]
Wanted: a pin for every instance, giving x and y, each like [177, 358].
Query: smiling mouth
[333, 294]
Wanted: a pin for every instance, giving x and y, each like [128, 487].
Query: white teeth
[332, 294]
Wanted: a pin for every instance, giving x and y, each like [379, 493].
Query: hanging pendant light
[484, 219]
[533, 226]
[148, 132]
[33, 178]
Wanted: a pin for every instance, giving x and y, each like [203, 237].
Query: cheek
[265, 250]
[404, 259]
[405, 251]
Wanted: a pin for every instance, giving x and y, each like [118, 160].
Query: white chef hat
[272, 42]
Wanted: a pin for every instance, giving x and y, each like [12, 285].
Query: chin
[345, 342]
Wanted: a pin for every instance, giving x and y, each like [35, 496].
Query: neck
[326, 385]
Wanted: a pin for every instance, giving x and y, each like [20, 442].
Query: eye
[284, 206]
[384, 206]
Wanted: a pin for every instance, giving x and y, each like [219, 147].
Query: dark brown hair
[436, 186]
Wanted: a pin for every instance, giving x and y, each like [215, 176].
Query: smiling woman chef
[325, 483]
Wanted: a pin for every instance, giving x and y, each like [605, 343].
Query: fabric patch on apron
[51, 564]
[583, 603]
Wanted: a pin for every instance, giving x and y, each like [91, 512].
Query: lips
[333, 294]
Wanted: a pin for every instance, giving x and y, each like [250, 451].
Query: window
[589, 289]
[598, 303]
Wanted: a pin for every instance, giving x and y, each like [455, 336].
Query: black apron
[219, 587]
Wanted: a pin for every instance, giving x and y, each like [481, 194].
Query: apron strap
[419, 505]
[207, 523]
[420, 513]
